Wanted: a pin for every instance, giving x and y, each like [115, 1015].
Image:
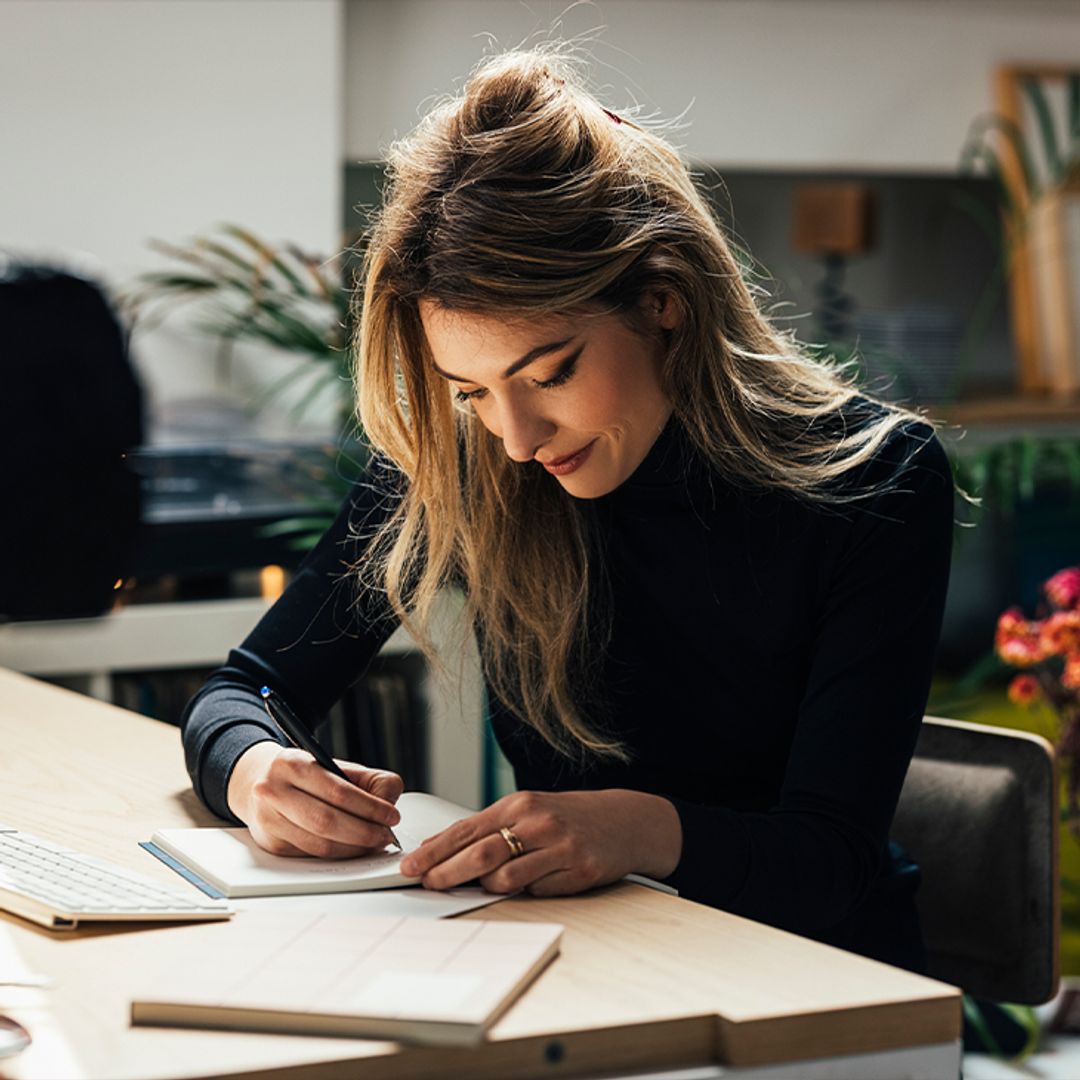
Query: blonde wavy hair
[524, 196]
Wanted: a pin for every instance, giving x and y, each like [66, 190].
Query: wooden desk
[645, 981]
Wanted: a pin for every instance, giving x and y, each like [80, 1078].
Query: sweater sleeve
[314, 642]
[810, 859]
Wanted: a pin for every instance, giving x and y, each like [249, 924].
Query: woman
[706, 574]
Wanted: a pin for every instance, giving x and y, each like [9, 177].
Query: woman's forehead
[469, 333]
[442, 319]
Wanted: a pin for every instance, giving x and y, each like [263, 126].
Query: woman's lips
[566, 465]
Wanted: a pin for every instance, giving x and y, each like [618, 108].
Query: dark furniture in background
[71, 408]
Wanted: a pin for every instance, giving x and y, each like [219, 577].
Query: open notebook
[231, 862]
[433, 981]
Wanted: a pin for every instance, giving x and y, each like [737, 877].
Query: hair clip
[617, 119]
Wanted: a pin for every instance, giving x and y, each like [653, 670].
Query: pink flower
[1063, 589]
[1024, 689]
[1070, 677]
[1019, 642]
[1060, 634]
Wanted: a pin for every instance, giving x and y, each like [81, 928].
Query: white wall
[866, 84]
[124, 120]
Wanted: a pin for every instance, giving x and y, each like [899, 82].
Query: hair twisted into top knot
[522, 194]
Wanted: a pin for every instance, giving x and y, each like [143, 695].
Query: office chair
[978, 812]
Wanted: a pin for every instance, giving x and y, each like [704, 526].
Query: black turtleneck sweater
[768, 667]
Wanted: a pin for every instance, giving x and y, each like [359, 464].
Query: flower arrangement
[1048, 648]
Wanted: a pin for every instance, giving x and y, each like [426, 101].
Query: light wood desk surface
[645, 980]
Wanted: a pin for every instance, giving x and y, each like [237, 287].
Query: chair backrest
[979, 813]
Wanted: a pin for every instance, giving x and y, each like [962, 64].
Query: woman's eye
[468, 395]
[562, 375]
[566, 370]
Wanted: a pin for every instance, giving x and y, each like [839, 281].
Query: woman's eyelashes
[468, 395]
[563, 375]
[566, 370]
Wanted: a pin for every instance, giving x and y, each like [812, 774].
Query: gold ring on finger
[512, 842]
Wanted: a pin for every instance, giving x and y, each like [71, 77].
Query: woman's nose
[523, 431]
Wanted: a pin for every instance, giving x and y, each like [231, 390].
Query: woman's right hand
[293, 806]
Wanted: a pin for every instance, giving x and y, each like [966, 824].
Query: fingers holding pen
[328, 833]
[381, 783]
[298, 769]
[336, 818]
[336, 801]
[280, 835]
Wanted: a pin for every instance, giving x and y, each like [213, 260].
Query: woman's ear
[660, 308]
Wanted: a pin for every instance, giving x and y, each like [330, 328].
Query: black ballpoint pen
[284, 718]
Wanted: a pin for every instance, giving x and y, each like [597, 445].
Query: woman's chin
[582, 485]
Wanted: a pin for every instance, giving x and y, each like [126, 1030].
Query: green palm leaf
[978, 150]
[1045, 120]
[246, 289]
[1029, 452]
[266, 253]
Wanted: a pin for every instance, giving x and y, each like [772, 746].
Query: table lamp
[834, 220]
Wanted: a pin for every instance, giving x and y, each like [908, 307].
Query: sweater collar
[671, 460]
[673, 474]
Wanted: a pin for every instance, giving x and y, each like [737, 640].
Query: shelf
[1011, 410]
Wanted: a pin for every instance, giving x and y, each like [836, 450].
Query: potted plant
[247, 289]
[1038, 182]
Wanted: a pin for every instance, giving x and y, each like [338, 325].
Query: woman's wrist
[244, 773]
[656, 828]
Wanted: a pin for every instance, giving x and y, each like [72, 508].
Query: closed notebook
[231, 861]
[431, 981]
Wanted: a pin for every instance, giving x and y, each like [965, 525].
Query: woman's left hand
[571, 841]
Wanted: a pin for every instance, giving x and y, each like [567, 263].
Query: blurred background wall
[125, 120]
[882, 84]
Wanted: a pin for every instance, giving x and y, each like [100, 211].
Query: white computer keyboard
[60, 888]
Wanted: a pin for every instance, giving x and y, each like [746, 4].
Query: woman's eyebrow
[517, 365]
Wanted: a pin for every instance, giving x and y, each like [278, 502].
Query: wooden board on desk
[644, 979]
